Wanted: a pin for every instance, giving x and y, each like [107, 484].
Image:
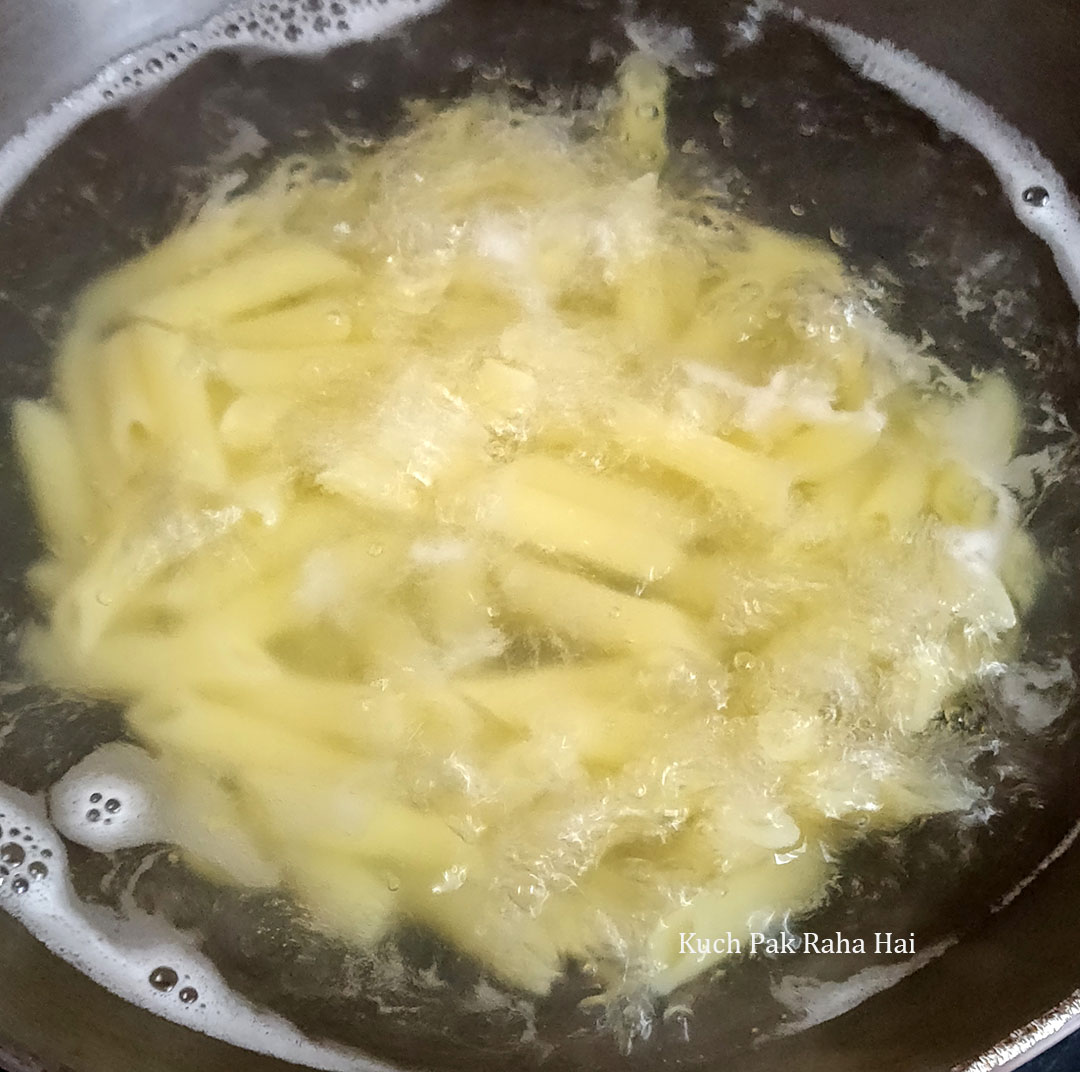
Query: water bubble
[20, 884]
[163, 978]
[838, 236]
[47, 853]
[744, 660]
[93, 815]
[112, 805]
[1036, 196]
[95, 798]
[12, 854]
[188, 994]
[797, 209]
[37, 870]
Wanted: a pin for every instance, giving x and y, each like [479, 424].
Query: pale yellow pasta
[57, 482]
[592, 614]
[498, 541]
[558, 525]
[252, 281]
[310, 323]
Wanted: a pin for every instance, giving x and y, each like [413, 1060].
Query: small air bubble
[375, 550]
[12, 854]
[838, 237]
[163, 979]
[137, 72]
[807, 130]
[253, 26]
[188, 994]
[342, 24]
[393, 883]
[337, 8]
[108, 94]
[95, 798]
[312, 5]
[20, 884]
[648, 111]
[28, 837]
[112, 805]
[232, 30]
[93, 815]
[1037, 196]
[47, 853]
[321, 24]
[154, 66]
[170, 57]
[37, 870]
[293, 32]
[125, 81]
[744, 660]
[797, 209]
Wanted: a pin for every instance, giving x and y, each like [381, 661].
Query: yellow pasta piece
[629, 504]
[592, 614]
[818, 451]
[207, 820]
[306, 324]
[753, 481]
[177, 394]
[304, 367]
[252, 281]
[561, 526]
[347, 896]
[57, 482]
[213, 734]
[958, 497]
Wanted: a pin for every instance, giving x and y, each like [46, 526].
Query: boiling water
[106, 804]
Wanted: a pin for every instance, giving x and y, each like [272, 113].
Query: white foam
[814, 1001]
[1015, 159]
[121, 953]
[250, 25]
[107, 802]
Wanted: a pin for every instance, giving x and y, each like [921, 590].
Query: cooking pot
[806, 144]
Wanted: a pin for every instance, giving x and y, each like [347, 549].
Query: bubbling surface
[45, 904]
